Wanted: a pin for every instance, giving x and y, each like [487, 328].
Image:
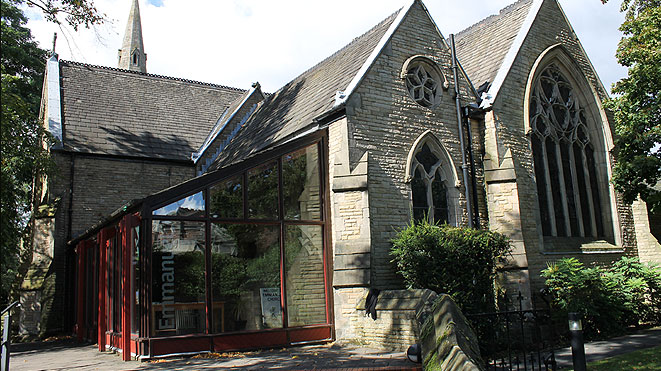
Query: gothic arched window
[433, 182]
[564, 151]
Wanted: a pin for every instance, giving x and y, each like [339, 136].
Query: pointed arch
[570, 140]
[433, 181]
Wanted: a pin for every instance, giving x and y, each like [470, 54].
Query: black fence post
[6, 324]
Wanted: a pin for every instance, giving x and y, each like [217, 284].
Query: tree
[24, 156]
[637, 105]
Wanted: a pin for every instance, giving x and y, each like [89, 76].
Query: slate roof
[293, 107]
[482, 47]
[118, 112]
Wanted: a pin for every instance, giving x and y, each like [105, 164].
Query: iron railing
[516, 339]
[6, 324]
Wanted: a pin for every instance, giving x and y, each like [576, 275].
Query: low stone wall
[396, 325]
[447, 341]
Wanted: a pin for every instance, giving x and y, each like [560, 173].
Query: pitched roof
[292, 109]
[481, 48]
[118, 112]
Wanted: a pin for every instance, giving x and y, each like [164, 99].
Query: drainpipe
[464, 167]
[476, 210]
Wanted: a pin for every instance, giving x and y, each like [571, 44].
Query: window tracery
[564, 158]
[429, 190]
[424, 82]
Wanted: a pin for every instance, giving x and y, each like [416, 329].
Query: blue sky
[238, 42]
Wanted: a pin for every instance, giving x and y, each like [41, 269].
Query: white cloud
[239, 42]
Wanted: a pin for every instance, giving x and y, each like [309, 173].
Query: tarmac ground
[68, 355]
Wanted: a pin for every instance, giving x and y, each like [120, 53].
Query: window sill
[577, 245]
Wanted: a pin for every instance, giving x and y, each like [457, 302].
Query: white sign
[271, 309]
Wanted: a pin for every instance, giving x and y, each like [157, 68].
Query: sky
[239, 42]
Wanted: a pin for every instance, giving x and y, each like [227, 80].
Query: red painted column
[80, 307]
[103, 259]
[127, 249]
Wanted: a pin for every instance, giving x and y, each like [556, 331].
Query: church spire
[132, 54]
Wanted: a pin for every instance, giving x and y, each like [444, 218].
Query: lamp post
[577, 343]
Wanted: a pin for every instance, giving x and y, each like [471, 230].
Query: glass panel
[226, 198]
[304, 272]
[300, 178]
[540, 177]
[117, 269]
[192, 205]
[582, 191]
[110, 283]
[135, 280]
[245, 277]
[439, 195]
[419, 196]
[569, 187]
[589, 155]
[426, 158]
[178, 285]
[263, 192]
[554, 172]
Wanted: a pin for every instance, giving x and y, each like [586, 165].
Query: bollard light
[577, 345]
[575, 323]
[414, 353]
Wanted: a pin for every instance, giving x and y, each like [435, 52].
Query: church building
[188, 217]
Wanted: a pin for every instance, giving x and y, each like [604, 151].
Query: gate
[516, 339]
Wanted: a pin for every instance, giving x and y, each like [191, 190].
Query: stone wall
[370, 196]
[384, 123]
[100, 186]
[509, 137]
[649, 249]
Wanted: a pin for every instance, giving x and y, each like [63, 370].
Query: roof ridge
[490, 18]
[344, 47]
[153, 75]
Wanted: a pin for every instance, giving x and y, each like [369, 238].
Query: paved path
[597, 350]
[66, 355]
[69, 356]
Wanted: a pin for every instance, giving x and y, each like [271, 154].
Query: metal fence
[516, 339]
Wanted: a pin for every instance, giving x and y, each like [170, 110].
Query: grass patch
[640, 360]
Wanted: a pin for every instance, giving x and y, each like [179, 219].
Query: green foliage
[639, 360]
[75, 13]
[609, 299]
[22, 155]
[458, 261]
[637, 108]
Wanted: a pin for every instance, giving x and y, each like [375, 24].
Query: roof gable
[485, 49]
[118, 112]
[292, 109]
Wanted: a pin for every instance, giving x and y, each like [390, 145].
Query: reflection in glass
[304, 272]
[300, 181]
[226, 198]
[192, 205]
[178, 287]
[263, 191]
[135, 279]
[245, 277]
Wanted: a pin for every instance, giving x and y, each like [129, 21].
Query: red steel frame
[187, 343]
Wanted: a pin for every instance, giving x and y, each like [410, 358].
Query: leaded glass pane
[566, 158]
[419, 195]
[440, 197]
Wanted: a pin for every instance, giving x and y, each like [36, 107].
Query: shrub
[458, 261]
[609, 299]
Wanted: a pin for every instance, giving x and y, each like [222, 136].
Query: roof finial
[132, 54]
[54, 40]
